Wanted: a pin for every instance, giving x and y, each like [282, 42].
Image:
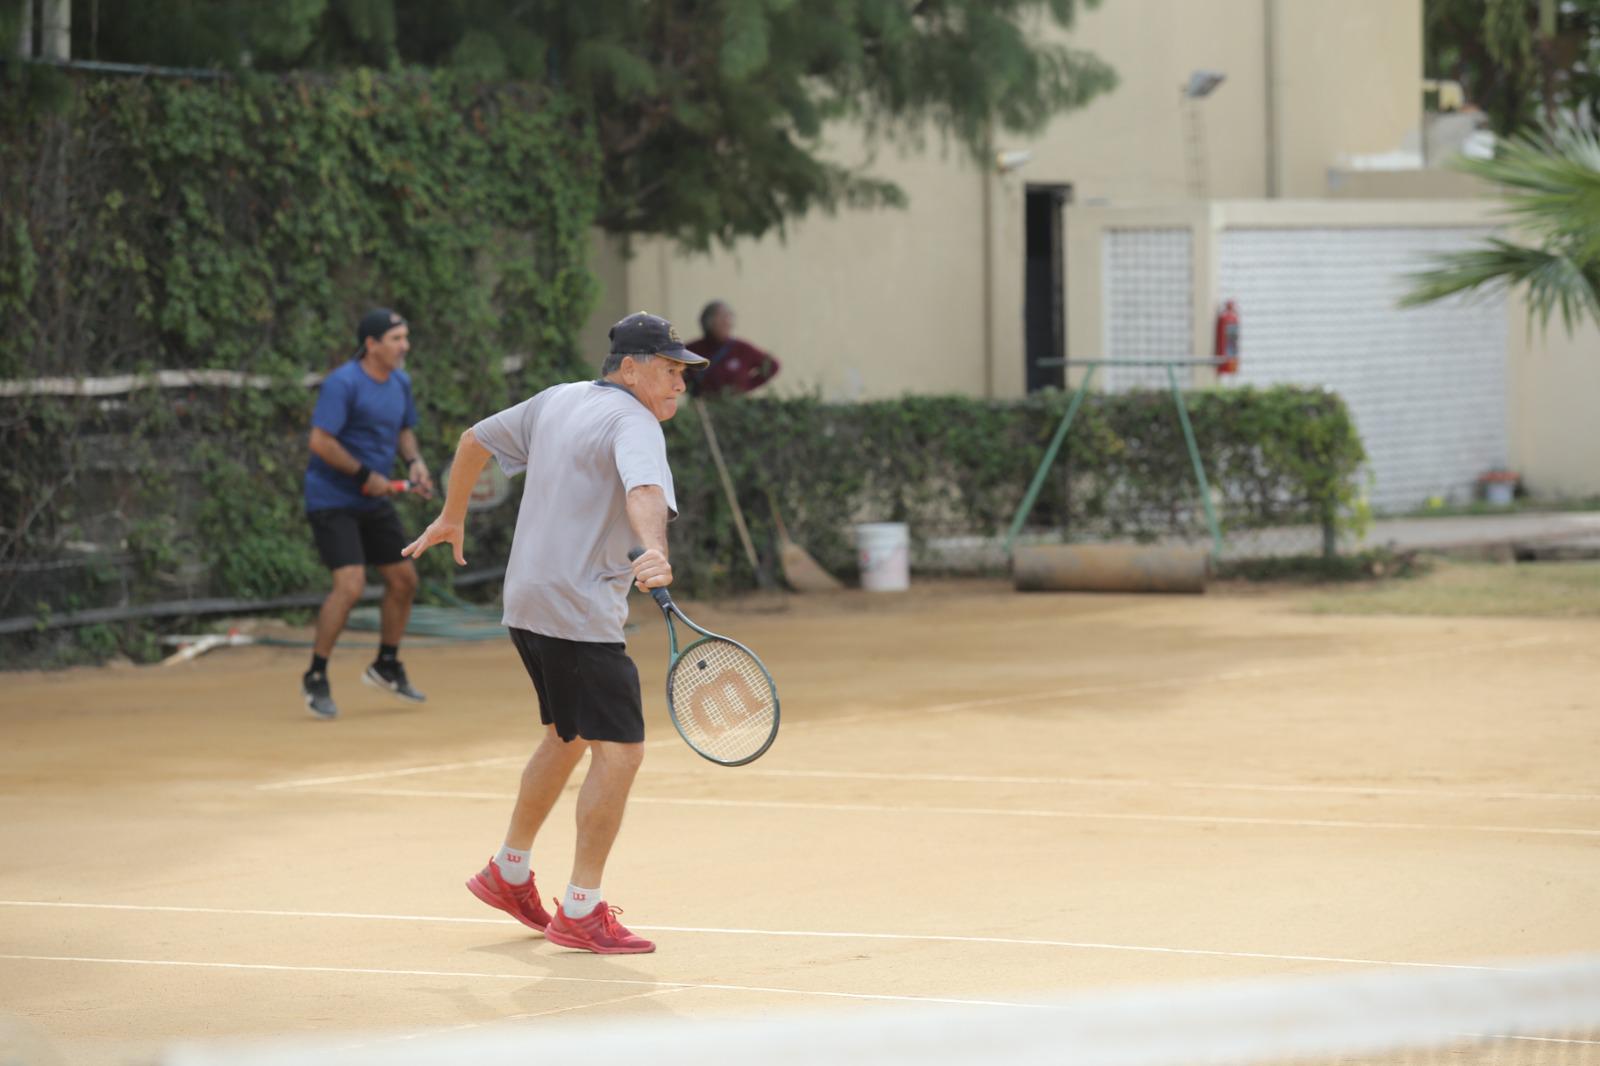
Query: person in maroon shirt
[736, 366]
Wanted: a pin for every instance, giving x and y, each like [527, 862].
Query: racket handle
[395, 486]
[661, 596]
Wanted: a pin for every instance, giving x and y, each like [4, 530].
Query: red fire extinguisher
[1227, 351]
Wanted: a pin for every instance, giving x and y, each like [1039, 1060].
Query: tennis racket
[721, 699]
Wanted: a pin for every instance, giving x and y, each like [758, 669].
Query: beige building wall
[930, 299]
[610, 268]
[1433, 183]
[1129, 146]
[857, 305]
[1348, 81]
[1555, 389]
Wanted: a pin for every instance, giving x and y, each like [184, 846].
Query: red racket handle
[395, 485]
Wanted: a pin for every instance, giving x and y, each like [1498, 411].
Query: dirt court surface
[976, 795]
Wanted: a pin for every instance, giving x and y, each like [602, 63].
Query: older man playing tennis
[598, 484]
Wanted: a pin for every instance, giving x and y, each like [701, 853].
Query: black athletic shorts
[586, 689]
[349, 536]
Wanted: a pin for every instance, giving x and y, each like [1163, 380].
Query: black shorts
[585, 689]
[349, 536]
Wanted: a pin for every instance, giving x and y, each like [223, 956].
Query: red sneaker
[519, 901]
[599, 932]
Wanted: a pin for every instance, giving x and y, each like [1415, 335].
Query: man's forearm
[326, 447]
[410, 450]
[647, 514]
[471, 457]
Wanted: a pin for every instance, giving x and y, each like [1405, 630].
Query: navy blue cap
[642, 333]
[375, 323]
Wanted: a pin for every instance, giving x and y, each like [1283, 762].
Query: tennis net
[1543, 1013]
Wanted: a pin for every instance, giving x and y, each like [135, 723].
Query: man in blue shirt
[364, 415]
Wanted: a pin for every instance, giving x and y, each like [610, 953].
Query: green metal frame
[1031, 497]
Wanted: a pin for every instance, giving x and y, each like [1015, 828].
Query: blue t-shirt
[365, 416]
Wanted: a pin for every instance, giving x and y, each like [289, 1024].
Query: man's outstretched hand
[439, 531]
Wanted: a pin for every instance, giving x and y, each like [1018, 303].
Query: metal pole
[55, 29]
[1199, 467]
[727, 487]
[1050, 453]
[1269, 25]
[986, 206]
[25, 31]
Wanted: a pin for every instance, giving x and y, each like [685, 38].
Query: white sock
[513, 865]
[580, 902]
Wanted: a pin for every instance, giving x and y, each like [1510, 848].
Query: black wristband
[362, 474]
[413, 461]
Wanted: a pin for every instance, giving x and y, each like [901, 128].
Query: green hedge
[244, 224]
[948, 466]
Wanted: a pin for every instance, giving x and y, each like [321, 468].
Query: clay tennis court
[976, 795]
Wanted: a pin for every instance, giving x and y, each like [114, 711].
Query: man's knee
[401, 578]
[624, 758]
[348, 583]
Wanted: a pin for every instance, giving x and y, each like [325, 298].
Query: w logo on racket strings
[720, 697]
[723, 702]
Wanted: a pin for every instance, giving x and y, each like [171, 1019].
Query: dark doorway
[1044, 301]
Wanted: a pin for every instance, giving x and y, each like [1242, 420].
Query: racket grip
[395, 486]
[661, 596]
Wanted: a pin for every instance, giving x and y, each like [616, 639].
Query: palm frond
[1551, 180]
[1551, 177]
[1556, 281]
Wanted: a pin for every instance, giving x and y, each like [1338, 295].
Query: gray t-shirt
[584, 446]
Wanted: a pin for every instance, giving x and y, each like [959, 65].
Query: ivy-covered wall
[244, 224]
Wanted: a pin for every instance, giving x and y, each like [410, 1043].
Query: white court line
[1019, 812]
[404, 771]
[992, 701]
[427, 768]
[1133, 782]
[1534, 1039]
[266, 967]
[1255, 674]
[933, 938]
[987, 779]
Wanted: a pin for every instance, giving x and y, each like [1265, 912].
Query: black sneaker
[391, 677]
[318, 695]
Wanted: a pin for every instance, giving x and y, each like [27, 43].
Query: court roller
[1109, 568]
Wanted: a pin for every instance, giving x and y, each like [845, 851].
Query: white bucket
[885, 552]
[1499, 493]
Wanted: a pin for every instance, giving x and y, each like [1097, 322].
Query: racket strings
[723, 700]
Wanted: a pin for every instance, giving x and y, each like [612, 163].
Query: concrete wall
[1129, 146]
[857, 305]
[1555, 394]
[611, 270]
[1348, 81]
[1308, 84]
[930, 299]
[1432, 183]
